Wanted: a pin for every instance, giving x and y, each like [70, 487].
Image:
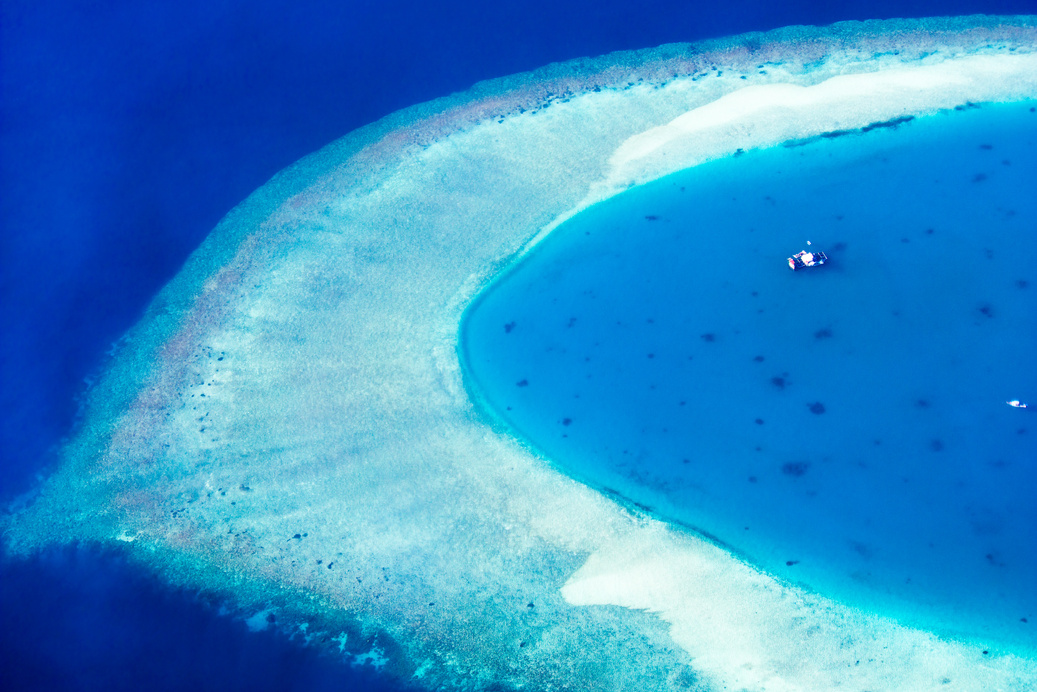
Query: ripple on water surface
[844, 427]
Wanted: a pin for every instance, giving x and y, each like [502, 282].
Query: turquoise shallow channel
[844, 427]
[290, 430]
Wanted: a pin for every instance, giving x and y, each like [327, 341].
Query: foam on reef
[289, 426]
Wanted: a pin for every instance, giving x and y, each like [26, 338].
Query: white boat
[803, 259]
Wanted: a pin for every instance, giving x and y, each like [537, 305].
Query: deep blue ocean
[127, 130]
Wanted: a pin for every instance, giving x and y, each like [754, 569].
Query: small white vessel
[803, 259]
[1016, 404]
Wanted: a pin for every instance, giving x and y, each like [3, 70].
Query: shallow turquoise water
[843, 427]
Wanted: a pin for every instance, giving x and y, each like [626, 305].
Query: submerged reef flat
[288, 427]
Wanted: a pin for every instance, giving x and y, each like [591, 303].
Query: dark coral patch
[779, 381]
[709, 337]
[936, 445]
[522, 383]
[758, 359]
[817, 408]
[508, 327]
[824, 333]
[795, 468]
[891, 124]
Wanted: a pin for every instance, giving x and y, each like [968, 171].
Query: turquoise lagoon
[843, 427]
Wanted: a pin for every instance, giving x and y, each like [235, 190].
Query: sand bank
[289, 425]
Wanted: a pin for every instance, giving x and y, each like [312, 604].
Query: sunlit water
[845, 426]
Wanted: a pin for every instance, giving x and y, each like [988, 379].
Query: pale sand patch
[765, 115]
[745, 631]
[289, 424]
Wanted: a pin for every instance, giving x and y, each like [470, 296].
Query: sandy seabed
[289, 427]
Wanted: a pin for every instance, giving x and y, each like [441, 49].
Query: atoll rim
[289, 425]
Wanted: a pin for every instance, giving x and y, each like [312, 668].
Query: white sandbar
[289, 426]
